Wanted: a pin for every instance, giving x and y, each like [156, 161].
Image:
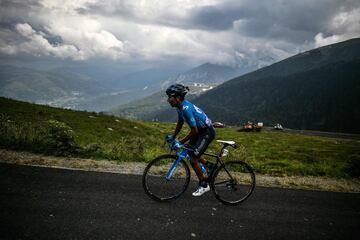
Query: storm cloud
[234, 32]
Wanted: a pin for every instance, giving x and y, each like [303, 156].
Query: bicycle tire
[157, 186]
[234, 189]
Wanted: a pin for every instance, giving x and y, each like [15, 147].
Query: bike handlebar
[175, 144]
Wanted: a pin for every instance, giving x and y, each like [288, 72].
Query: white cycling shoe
[201, 190]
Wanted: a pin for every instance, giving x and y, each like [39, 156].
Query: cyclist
[201, 131]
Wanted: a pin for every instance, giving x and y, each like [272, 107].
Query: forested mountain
[318, 89]
[208, 74]
[200, 79]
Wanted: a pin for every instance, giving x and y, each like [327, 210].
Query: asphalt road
[45, 203]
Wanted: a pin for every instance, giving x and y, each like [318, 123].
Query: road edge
[136, 168]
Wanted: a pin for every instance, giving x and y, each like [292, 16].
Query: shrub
[353, 166]
[92, 148]
[60, 138]
[51, 137]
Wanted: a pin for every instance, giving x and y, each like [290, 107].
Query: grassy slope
[281, 153]
[273, 153]
[127, 139]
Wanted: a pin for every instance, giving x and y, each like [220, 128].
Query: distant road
[45, 203]
[317, 133]
[324, 134]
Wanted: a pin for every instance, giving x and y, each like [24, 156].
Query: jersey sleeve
[180, 116]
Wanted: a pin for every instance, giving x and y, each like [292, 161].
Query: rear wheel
[155, 183]
[233, 182]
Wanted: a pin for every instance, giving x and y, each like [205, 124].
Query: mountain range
[88, 88]
[44, 87]
[208, 74]
[77, 88]
[316, 90]
[199, 79]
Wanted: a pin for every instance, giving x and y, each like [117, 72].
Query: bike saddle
[230, 143]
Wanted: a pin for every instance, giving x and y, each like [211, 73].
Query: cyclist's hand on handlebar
[176, 144]
[169, 138]
[173, 142]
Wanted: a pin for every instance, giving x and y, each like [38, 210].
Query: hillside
[44, 87]
[208, 74]
[200, 79]
[148, 107]
[99, 88]
[315, 90]
[58, 131]
[74, 89]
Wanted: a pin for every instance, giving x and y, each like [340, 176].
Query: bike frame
[183, 153]
[180, 155]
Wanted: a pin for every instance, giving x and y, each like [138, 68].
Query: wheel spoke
[221, 183]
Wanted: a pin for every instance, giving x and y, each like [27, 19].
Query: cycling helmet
[177, 90]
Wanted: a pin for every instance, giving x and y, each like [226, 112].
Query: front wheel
[158, 186]
[233, 182]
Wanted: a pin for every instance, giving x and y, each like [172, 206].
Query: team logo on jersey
[198, 109]
[208, 121]
[185, 107]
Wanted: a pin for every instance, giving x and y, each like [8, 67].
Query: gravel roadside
[309, 182]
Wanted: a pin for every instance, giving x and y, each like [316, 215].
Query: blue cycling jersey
[193, 115]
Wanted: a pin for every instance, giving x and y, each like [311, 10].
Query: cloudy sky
[231, 32]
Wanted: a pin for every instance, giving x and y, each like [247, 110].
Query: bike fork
[172, 169]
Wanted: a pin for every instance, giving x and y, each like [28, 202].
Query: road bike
[168, 176]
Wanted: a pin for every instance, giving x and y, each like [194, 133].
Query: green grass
[279, 153]
[26, 126]
[48, 130]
